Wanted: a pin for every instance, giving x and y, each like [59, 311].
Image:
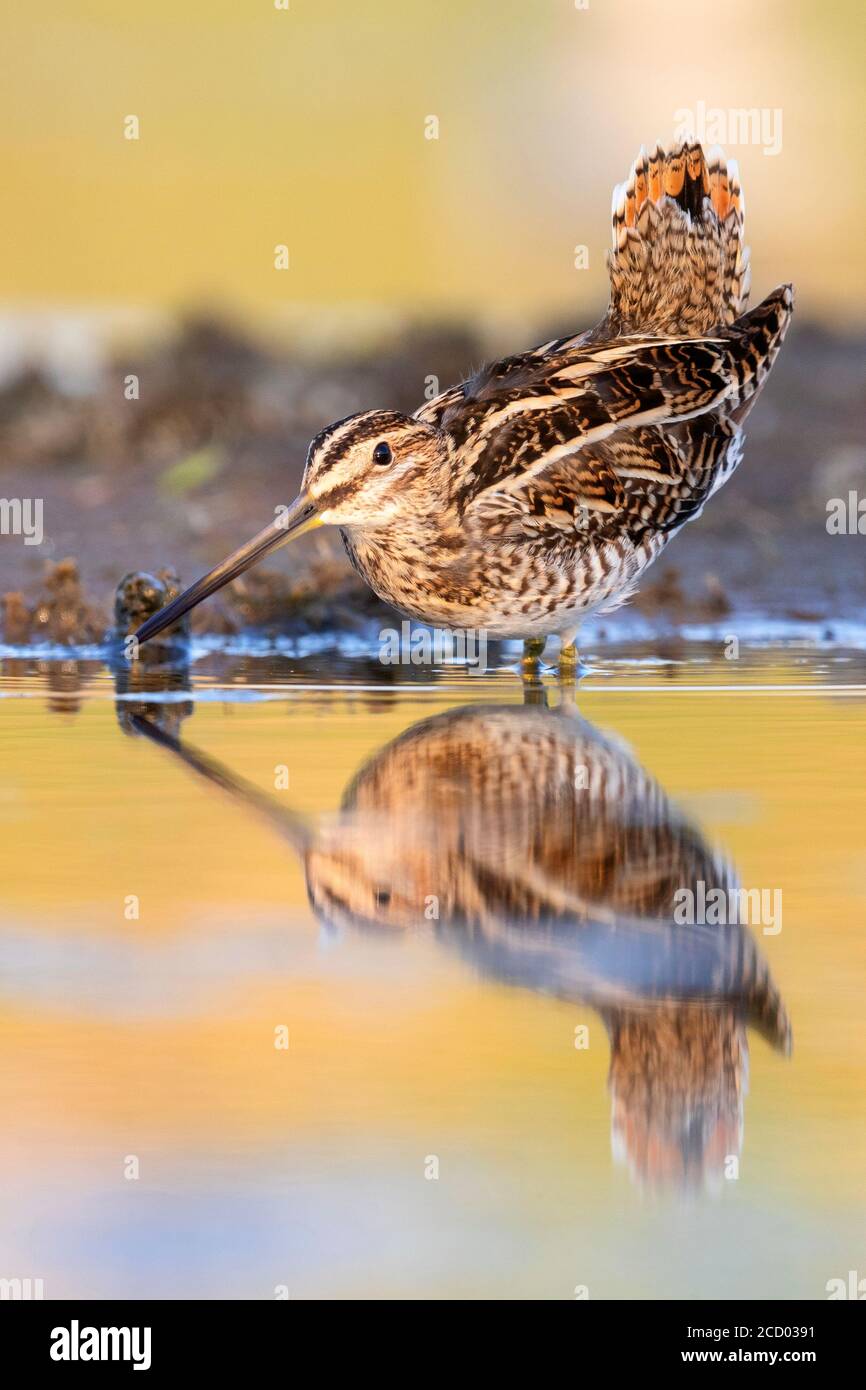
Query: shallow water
[509, 1072]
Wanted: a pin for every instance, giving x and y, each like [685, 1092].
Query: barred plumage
[540, 489]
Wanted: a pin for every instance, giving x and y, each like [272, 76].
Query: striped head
[365, 471]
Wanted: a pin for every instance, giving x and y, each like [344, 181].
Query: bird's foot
[531, 669]
[533, 651]
[569, 668]
[569, 660]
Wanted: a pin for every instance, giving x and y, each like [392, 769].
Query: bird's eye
[382, 453]
[382, 897]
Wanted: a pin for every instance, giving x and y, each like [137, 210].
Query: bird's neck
[406, 561]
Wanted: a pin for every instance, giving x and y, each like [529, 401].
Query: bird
[539, 490]
[538, 850]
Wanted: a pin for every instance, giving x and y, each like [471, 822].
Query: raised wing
[521, 418]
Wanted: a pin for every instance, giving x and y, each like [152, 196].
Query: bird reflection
[544, 853]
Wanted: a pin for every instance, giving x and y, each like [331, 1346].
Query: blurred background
[306, 126]
[431, 172]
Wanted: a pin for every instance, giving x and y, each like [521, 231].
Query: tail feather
[760, 334]
[679, 262]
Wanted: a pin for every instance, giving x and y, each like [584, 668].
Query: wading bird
[541, 488]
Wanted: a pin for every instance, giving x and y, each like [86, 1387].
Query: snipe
[540, 489]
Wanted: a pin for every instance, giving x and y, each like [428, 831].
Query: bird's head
[363, 472]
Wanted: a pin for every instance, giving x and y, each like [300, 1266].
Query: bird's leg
[530, 671]
[569, 659]
[569, 656]
[535, 693]
[533, 650]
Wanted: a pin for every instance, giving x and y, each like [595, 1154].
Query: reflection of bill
[545, 855]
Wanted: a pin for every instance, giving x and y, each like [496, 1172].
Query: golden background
[306, 126]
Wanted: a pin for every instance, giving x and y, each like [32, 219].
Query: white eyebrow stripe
[340, 431]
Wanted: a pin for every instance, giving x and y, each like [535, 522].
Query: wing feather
[642, 481]
[523, 416]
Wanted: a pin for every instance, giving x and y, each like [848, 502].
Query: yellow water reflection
[451, 1038]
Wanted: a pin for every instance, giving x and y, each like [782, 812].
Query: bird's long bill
[301, 516]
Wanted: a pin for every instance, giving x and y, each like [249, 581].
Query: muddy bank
[183, 450]
[59, 610]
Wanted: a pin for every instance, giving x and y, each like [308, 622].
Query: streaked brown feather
[572, 464]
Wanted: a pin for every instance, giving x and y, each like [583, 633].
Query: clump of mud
[61, 612]
[327, 597]
[139, 595]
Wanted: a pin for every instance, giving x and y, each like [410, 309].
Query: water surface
[509, 1071]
